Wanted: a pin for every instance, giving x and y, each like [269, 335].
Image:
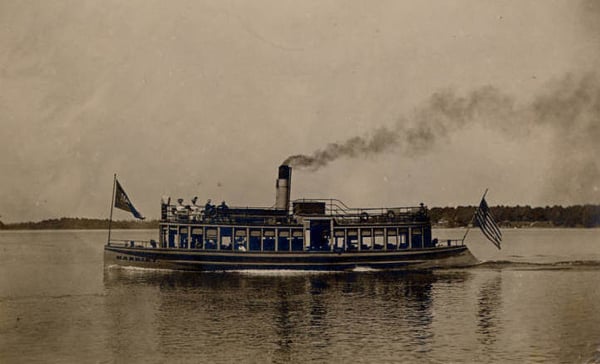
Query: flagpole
[112, 204]
[472, 218]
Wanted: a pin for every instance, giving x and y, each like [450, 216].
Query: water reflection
[489, 303]
[278, 318]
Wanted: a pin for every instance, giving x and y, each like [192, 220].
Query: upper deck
[302, 210]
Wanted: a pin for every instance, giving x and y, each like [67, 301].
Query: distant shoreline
[578, 216]
[74, 223]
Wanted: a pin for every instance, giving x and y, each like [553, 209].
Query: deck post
[385, 238]
[218, 238]
[189, 238]
[331, 235]
[247, 241]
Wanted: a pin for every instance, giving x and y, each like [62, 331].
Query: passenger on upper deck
[181, 210]
[195, 210]
[209, 209]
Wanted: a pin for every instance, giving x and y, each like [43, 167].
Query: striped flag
[487, 224]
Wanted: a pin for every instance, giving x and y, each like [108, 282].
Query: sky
[406, 101]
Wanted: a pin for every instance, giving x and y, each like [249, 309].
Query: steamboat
[301, 234]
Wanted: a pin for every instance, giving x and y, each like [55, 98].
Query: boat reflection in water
[274, 317]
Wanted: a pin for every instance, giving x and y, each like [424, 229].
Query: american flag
[487, 224]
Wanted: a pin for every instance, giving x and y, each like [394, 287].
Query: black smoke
[568, 108]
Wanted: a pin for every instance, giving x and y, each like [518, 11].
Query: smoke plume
[380, 141]
[569, 108]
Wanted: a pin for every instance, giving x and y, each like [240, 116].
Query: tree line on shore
[80, 223]
[507, 216]
[522, 216]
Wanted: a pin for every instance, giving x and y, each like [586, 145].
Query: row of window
[292, 239]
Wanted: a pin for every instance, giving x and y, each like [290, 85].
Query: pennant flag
[122, 202]
[487, 224]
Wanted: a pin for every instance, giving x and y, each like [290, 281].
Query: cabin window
[403, 238]
[183, 237]
[367, 239]
[164, 237]
[338, 239]
[379, 240]
[226, 238]
[172, 237]
[352, 243]
[255, 239]
[241, 240]
[268, 240]
[183, 240]
[211, 239]
[283, 241]
[297, 240]
[427, 238]
[196, 240]
[392, 239]
[417, 238]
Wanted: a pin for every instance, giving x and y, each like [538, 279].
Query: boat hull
[178, 259]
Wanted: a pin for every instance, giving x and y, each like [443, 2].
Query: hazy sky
[187, 98]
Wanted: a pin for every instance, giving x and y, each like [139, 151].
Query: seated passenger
[209, 209]
[195, 210]
[181, 210]
[222, 208]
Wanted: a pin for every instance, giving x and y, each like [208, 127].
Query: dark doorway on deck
[320, 232]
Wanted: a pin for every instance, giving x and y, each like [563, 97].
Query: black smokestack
[569, 109]
[283, 187]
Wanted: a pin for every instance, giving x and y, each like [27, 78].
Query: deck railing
[334, 208]
[342, 213]
[152, 244]
[129, 243]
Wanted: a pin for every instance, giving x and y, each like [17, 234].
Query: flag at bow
[487, 224]
[124, 203]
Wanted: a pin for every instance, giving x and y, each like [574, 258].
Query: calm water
[537, 300]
